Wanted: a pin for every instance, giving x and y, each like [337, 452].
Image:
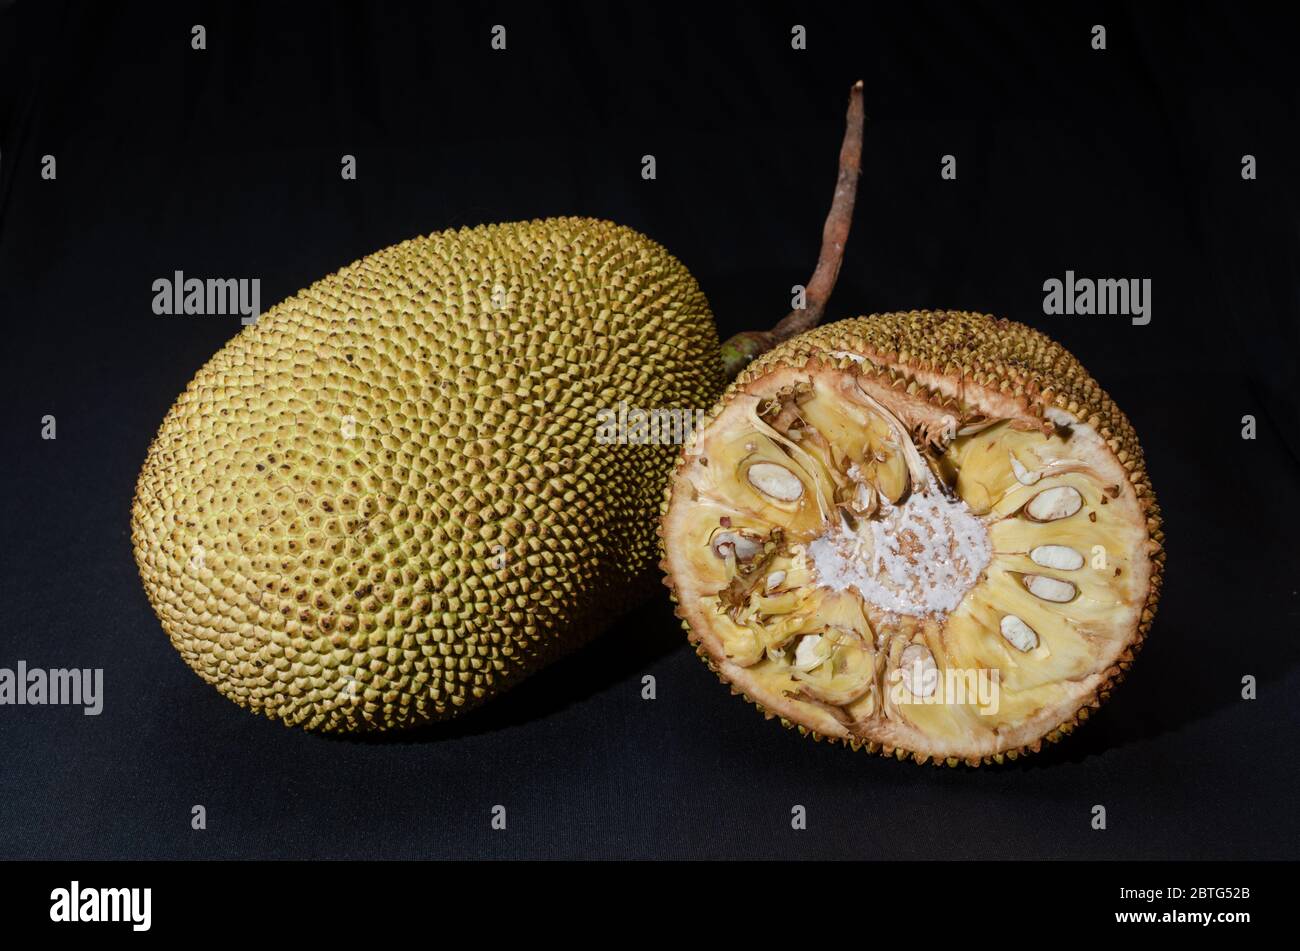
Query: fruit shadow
[646, 632]
[1159, 697]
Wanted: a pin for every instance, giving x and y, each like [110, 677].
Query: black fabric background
[1123, 163]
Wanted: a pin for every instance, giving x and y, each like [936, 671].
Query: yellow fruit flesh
[934, 597]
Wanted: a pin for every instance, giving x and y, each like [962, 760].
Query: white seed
[920, 676]
[1023, 475]
[775, 481]
[743, 547]
[774, 580]
[1019, 634]
[1062, 557]
[1055, 503]
[1050, 589]
[808, 652]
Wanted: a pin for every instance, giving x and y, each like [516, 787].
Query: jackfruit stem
[740, 349]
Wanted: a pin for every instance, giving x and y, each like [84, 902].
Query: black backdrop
[225, 162]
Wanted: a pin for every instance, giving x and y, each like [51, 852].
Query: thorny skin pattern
[418, 517]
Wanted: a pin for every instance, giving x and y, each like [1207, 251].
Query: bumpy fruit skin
[388, 500]
[945, 359]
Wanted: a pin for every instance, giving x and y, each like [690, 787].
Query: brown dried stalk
[748, 344]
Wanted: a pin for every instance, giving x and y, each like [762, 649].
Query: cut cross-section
[928, 534]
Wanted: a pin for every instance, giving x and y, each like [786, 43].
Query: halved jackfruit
[952, 547]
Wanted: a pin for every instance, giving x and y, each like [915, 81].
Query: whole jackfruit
[404, 489]
[930, 535]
